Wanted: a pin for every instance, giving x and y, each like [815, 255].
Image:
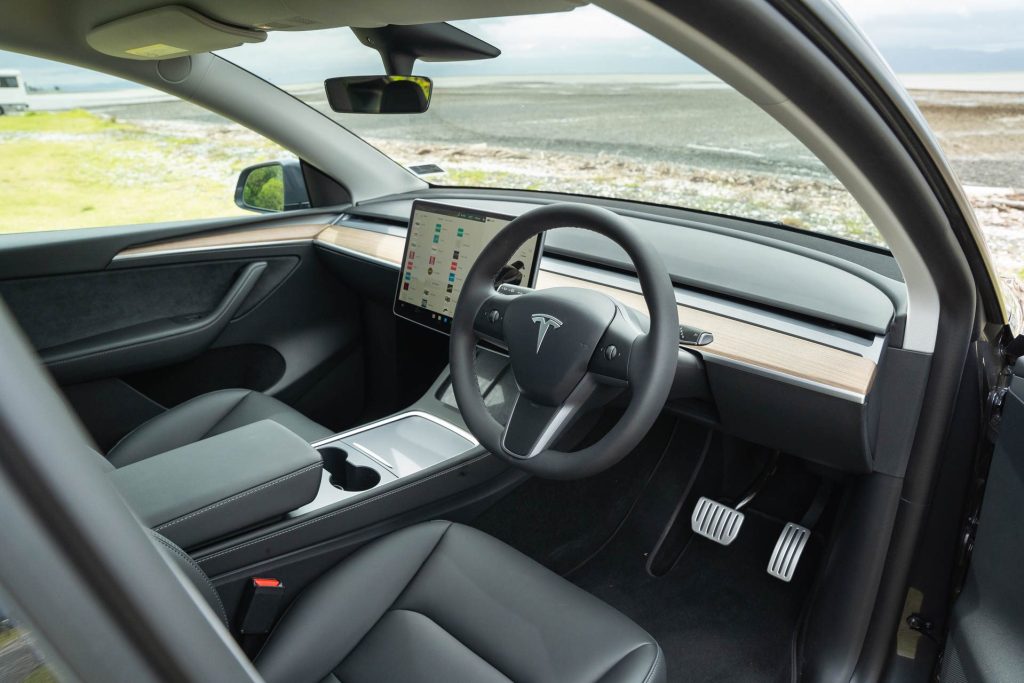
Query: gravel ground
[983, 136]
[679, 147]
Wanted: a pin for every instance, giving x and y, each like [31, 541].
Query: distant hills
[951, 61]
[45, 76]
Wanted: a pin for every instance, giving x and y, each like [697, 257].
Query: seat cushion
[208, 415]
[444, 602]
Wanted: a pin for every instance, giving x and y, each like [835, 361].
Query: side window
[21, 660]
[91, 150]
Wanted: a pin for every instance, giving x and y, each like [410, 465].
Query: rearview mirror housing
[272, 187]
[379, 94]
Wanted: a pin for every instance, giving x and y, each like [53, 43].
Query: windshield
[581, 103]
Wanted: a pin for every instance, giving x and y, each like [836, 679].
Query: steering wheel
[567, 347]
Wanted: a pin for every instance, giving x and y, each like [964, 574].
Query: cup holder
[345, 475]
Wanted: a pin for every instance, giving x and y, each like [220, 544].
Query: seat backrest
[74, 532]
[193, 572]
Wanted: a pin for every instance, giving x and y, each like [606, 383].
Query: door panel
[172, 327]
[136, 336]
[986, 642]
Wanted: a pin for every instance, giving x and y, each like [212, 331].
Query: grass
[76, 121]
[42, 673]
[77, 169]
[8, 636]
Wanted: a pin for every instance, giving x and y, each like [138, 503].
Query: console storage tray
[223, 484]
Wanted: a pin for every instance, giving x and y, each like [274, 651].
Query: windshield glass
[581, 103]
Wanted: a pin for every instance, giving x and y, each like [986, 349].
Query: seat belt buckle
[262, 605]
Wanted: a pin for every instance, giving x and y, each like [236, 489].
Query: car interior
[609, 441]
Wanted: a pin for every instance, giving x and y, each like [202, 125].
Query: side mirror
[379, 94]
[272, 187]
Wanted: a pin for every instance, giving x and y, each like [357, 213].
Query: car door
[190, 293]
[986, 640]
[130, 331]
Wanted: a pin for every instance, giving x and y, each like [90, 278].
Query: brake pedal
[788, 550]
[716, 521]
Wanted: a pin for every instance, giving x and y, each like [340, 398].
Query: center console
[221, 485]
[420, 463]
[383, 452]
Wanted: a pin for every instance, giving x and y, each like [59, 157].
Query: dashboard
[799, 329]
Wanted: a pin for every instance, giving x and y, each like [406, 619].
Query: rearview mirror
[271, 187]
[378, 94]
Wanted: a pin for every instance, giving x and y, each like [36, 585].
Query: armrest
[226, 483]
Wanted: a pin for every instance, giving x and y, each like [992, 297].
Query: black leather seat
[444, 602]
[433, 602]
[208, 415]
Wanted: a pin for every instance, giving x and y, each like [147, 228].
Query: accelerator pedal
[716, 521]
[788, 550]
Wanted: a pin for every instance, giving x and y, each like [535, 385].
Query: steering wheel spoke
[569, 349]
[534, 427]
[611, 359]
[490, 318]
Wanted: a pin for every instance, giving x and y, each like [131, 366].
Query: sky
[936, 36]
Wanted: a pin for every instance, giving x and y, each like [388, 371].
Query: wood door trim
[278, 234]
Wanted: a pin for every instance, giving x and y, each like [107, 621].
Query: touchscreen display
[442, 245]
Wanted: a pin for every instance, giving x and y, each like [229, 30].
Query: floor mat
[563, 523]
[716, 612]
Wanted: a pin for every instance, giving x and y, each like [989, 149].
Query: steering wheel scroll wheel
[565, 345]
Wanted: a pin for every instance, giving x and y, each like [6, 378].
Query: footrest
[716, 521]
[788, 550]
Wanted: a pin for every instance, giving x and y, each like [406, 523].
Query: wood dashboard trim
[222, 240]
[377, 245]
[735, 340]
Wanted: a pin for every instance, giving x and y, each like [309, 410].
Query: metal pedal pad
[788, 550]
[715, 521]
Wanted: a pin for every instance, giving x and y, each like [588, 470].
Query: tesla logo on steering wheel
[546, 323]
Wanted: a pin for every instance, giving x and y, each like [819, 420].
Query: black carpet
[562, 523]
[717, 614]
[714, 610]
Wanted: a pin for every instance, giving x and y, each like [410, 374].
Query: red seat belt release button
[262, 606]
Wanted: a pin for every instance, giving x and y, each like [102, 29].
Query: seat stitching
[654, 667]
[238, 496]
[192, 563]
[374, 499]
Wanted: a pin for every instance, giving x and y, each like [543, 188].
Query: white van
[12, 92]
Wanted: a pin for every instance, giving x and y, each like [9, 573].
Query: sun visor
[167, 32]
